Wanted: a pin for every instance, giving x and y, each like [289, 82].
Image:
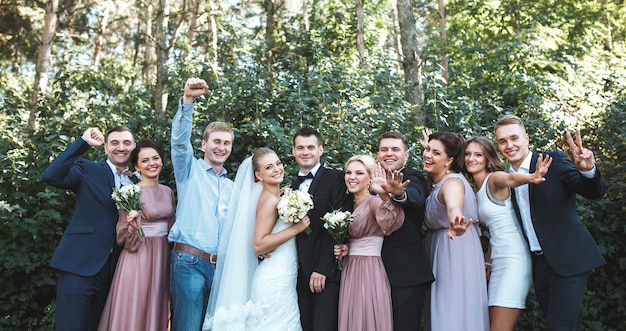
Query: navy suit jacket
[315, 251]
[90, 235]
[403, 251]
[566, 243]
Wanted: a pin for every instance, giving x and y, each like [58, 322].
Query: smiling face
[436, 161]
[118, 147]
[307, 151]
[392, 153]
[475, 159]
[357, 177]
[217, 148]
[269, 169]
[512, 141]
[149, 163]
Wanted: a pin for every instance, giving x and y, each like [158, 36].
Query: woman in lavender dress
[458, 296]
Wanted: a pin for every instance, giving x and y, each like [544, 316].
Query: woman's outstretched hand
[458, 226]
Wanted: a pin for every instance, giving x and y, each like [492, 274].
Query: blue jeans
[190, 284]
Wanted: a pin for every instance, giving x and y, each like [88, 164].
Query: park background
[353, 69]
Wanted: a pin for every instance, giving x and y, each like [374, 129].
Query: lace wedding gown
[273, 301]
[274, 288]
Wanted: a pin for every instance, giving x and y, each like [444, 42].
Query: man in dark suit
[563, 250]
[318, 279]
[87, 253]
[403, 254]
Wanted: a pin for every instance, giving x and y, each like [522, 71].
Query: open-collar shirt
[202, 193]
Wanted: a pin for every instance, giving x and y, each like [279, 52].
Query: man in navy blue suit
[563, 250]
[87, 253]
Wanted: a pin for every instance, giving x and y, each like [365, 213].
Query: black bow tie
[303, 177]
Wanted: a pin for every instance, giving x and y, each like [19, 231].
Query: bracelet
[401, 197]
[487, 264]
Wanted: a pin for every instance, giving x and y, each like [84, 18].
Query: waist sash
[366, 246]
[155, 229]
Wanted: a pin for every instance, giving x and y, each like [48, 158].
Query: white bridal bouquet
[336, 222]
[127, 199]
[294, 205]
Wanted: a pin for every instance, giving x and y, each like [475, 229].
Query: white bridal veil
[237, 261]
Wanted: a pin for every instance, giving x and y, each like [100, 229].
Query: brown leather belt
[192, 250]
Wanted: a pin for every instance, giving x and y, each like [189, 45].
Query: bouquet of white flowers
[293, 206]
[336, 222]
[127, 199]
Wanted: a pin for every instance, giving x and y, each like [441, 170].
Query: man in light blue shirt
[203, 191]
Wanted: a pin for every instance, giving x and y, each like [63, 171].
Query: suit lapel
[109, 174]
[533, 167]
[317, 179]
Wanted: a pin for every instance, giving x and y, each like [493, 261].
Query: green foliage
[546, 61]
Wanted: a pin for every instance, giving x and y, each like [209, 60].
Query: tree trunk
[411, 62]
[214, 35]
[162, 50]
[149, 57]
[43, 63]
[360, 43]
[270, 27]
[178, 28]
[193, 22]
[395, 36]
[100, 37]
[443, 37]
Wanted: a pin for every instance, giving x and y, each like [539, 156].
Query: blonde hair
[217, 127]
[367, 160]
[508, 120]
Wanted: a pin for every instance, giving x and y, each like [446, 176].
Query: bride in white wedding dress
[247, 295]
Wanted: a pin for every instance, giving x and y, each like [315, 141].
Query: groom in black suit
[403, 254]
[318, 279]
[563, 251]
[87, 253]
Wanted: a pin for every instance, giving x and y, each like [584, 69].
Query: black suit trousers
[318, 311]
[560, 298]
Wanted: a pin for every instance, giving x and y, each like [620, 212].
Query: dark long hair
[454, 147]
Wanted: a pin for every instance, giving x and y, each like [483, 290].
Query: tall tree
[43, 62]
[411, 61]
[149, 65]
[442, 35]
[360, 22]
[270, 29]
[162, 51]
[102, 27]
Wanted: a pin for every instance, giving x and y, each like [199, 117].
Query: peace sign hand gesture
[582, 157]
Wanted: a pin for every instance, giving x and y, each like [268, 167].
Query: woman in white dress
[508, 258]
[247, 295]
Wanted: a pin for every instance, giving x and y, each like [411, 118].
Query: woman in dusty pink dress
[365, 293]
[139, 295]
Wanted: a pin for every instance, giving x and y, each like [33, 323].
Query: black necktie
[301, 179]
